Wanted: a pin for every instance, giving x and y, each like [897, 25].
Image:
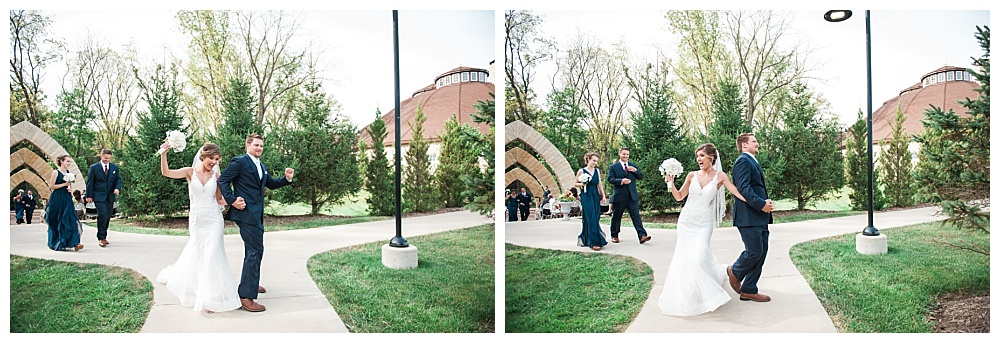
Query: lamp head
[836, 16]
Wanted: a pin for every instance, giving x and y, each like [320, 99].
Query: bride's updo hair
[709, 149]
[210, 150]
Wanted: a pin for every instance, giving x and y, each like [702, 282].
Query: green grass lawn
[893, 292]
[560, 291]
[65, 297]
[451, 290]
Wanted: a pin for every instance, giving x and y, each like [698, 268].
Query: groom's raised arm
[278, 182]
[741, 177]
[225, 180]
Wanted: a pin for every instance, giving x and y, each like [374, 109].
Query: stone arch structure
[38, 169]
[529, 181]
[532, 166]
[561, 171]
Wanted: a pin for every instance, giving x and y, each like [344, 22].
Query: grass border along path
[892, 292]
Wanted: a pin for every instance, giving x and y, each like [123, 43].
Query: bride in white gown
[695, 279]
[201, 276]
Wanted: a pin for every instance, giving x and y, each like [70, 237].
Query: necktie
[105, 169]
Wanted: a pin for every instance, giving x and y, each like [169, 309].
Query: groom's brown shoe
[614, 239]
[733, 282]
[644, 239]
[755, 297]
[250, 305]
[260, 289]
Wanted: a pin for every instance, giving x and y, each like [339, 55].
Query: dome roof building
[943, 88]
[455, 92]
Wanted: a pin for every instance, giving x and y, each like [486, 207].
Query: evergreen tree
[458, 157]
[655, 136]
[954, 164]
[727, 110]
[70, 126]
[479, 185]
[562, 125]
[897, 165]
[813, 167]
[378, 172]
[238, 110]
[856, 168]
[149, 192]
[418, 186]
[325, 163]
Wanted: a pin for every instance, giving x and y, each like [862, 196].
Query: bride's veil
[720, 194]
[197, 162]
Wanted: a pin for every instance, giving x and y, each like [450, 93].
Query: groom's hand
[768, 206]
[289, 172]
[626, 181]
[631, 169]
[239, 204]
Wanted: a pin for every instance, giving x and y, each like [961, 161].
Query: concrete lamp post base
[872, 245]
[399, 258]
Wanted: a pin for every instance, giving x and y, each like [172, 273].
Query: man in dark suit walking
[245, 178]
[623, 174]
[751, 219]
[104, 183]
[29, 203]
[524, 200]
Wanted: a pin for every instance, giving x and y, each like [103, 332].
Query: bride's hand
[668, 178]
[165, 146]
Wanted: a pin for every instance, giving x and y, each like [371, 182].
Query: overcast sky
[905, 46]
[357, 47]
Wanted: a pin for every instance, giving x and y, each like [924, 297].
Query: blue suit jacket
[240, 180]
[623, 193]
[102, 187]
[749, 180]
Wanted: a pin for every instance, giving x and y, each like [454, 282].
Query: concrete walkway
[294, 303]
[794, 307]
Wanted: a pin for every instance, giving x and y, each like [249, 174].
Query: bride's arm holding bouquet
[172, 173]
[730, 186]
[683, 192]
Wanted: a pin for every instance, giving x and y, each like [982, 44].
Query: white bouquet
[177, 141]
[584, 179]
[69, 177]
[671, 166]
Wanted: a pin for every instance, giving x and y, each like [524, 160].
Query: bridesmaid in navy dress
[61, 216]
[590, 200]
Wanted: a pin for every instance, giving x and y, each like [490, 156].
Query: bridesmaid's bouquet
[584, 179]
[177, 141]
[671, 166]
[69, 177]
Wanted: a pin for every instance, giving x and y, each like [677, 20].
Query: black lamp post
[838, 16]
[398, 241]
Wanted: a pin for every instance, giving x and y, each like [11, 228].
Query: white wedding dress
[201, 276]
[694, 282]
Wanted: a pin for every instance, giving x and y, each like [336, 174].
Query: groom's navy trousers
[253, 247]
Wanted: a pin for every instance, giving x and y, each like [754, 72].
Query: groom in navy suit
[242, 185]
[751, 219]
[622, 174]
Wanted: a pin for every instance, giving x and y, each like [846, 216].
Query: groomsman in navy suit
[104, 182]
[244, 179]
[623, 174]
[751, 219]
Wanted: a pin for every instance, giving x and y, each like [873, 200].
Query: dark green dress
[590, 202]
[64, 229]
